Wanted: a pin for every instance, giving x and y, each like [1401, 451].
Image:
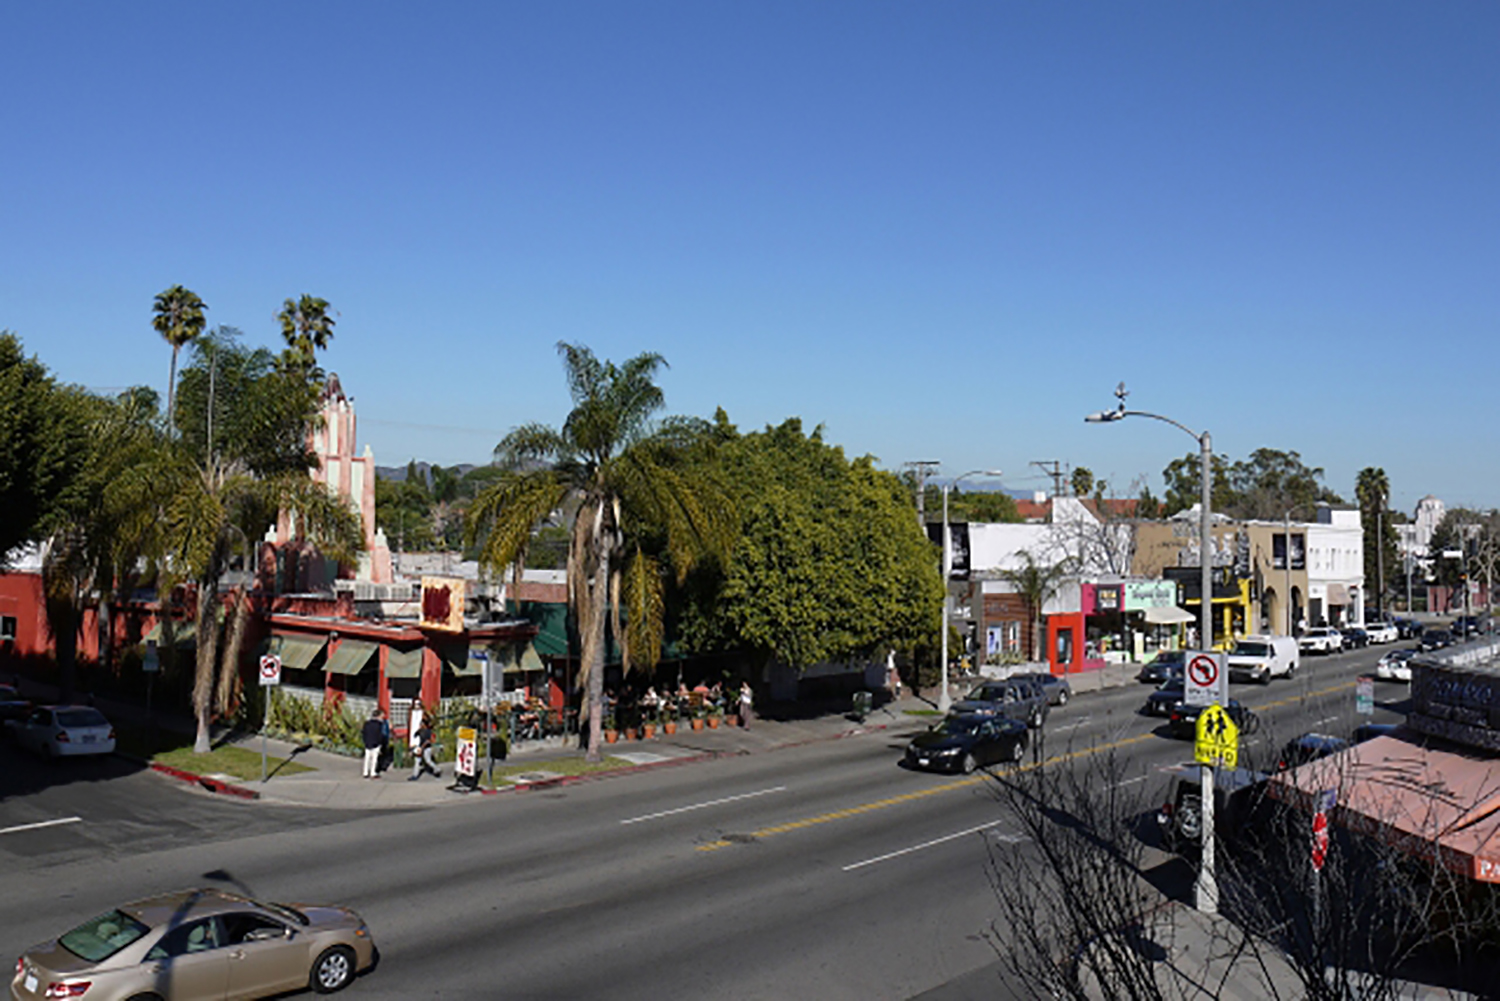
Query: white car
[1381, 632]
[1395, 666]
[1321, 639]
[65, 731]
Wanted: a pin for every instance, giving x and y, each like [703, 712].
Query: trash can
[863, 703]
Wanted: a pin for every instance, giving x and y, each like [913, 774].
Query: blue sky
[942, 230]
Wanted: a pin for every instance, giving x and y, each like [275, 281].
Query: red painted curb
[212, 785]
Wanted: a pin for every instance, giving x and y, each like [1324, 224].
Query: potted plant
[715, 716]
[611, 732]
[669, 721]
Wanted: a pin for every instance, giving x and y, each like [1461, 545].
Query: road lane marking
[39, 824]
[700, 806]
[916, 848]
[1330, 719]
[1131, 782]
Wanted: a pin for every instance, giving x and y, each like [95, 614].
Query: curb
[211, 784]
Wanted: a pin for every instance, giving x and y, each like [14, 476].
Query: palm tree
[179, 319]
[1036, 582]
[1372, 488]
[305, 325]
[642, 504]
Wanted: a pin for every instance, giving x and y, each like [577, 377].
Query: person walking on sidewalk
[374, 735]
[747, 703]
[422, 762]
[413, 734]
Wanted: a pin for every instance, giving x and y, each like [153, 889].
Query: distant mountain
[398, 473]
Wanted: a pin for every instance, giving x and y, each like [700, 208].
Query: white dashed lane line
[916, 848]
[40, 824]
[700, 806]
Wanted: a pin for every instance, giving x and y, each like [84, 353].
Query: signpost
[150, 665]
[1364, 696]
[1206, 683]
[270, 676]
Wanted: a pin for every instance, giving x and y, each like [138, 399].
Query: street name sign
[1205, 678]
[1218, 740]
[270, 669]
[1364, 696]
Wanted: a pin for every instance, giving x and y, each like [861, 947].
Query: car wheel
[144, 997]
[1018, 750]
[1036, 719]
[968, 764]
[332, 970]
[1062, 697]
[1189, 819]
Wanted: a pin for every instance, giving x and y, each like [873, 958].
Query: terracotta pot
[648, 731]
[610, 736]
[697, 723]
[713, 722]
[669, 727]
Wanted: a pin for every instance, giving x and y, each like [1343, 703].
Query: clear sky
[943, 230]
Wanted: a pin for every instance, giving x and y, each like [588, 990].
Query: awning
[456, 659]
[517, 658]
[296, 652]
[182, 634]
[403, 663]
[1338, 594]
[351, 657]
[1169, 616]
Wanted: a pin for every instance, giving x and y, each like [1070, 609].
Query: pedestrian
[386, 752]
[413, 741]
[425, 757]
[747, 701]
[373, 734]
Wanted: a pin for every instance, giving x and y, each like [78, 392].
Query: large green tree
[645, 508]
[829, 563]
[179, 319]
[1265, 485]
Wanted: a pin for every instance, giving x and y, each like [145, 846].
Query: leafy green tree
[1036, 582]
[179, 320]
[404, 510]
[1266, 485]
[1183, 481]
[1083, 481]
[1373, 490]
[987, 506]
[645, 508]
[829, 563]
[1455, 548]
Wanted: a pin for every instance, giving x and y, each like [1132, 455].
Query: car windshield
[290, 913]
[1252, 650]
[955, 727]
[1175, 686]
[987, 693]
[1168, 658]
[8, 694]
[103, 937]
[81, 717]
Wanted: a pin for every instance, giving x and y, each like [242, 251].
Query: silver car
[64, 731]
[198, 944]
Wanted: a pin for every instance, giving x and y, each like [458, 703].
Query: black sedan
[1309, 747]
[1054, 686]
[1355, 638]
[964, 743]
[1184, 719]
[1166, 698]
[12, 706]
[1165, 666]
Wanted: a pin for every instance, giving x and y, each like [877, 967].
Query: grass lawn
[922, 712]
[169, 747]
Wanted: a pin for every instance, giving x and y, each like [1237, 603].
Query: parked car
[1435, 639]
[1369, 731]
[1407, 628]
[1355, 638]
[199, 944]
[1308, 747]
[1261, 658]
[1166, 665]
[1321, 639]
[1168, 696]
[1464, 626]
[1381, 632]
[1011, 698]
[1183, 721]
[963, 743]
[64, 731]
[1054, 686]
[12, 706]
[1239, 796]
[1394, 665]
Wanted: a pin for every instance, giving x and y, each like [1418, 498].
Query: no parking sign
[1205, 678]
[270, 669]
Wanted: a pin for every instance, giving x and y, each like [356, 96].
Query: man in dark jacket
[374, 734]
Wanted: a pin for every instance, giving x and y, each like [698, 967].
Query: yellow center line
[882, 804]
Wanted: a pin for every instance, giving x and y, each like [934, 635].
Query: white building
[1336, 568]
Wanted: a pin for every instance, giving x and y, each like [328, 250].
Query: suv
[1321, 639]
[1381, 631]
[1238, 795]
[1013, 698]
[1435, 639]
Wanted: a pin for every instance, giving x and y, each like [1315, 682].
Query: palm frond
[645, 610]
[531, 443]
[501, 518]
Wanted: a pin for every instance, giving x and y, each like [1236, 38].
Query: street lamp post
[945, 700]
[1286, 521]
[1207, 887]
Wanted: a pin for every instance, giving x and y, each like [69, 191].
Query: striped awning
[351, 657]
[403, 663]
[297, 652]
[1338, 594]
[456, 659]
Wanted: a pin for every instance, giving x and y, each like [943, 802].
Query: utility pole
[1054, 469]
[922, 469]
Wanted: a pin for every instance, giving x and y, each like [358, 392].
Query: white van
[1261, 658]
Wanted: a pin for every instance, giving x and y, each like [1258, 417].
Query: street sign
[1319, 840]
[1364, 696]
[151, 663]
[270, 669]
[1206, 681]
[468, 753]
[1218, 740]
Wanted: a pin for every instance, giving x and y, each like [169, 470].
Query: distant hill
[398, 473]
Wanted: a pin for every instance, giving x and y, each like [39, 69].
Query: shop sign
[1107, 597]
[466, 760]
[1143, 594]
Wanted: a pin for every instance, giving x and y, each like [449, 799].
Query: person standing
[747, 703]
[373, 734]
[413, 740]
[423, 760]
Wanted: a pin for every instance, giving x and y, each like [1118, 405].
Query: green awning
[516, 658]
[351, 657]
[297, 652]
[403, 663]
[182, 633]
[456, 659]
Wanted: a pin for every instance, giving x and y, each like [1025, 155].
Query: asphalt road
[818, 871]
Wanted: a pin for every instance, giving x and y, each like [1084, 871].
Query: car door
[985, 750]
[190, 962]
[265, 956]
[33, 733]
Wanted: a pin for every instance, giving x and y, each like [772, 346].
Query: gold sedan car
[198, 944]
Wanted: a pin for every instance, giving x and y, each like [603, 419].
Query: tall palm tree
[1036, 582]
[179, 319]
[643, 505]
[305, 325]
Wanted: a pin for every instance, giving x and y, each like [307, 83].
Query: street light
[1207, 889]
[1286, 521]
[945, 701]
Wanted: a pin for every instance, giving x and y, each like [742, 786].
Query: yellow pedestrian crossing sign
[1218, 739]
